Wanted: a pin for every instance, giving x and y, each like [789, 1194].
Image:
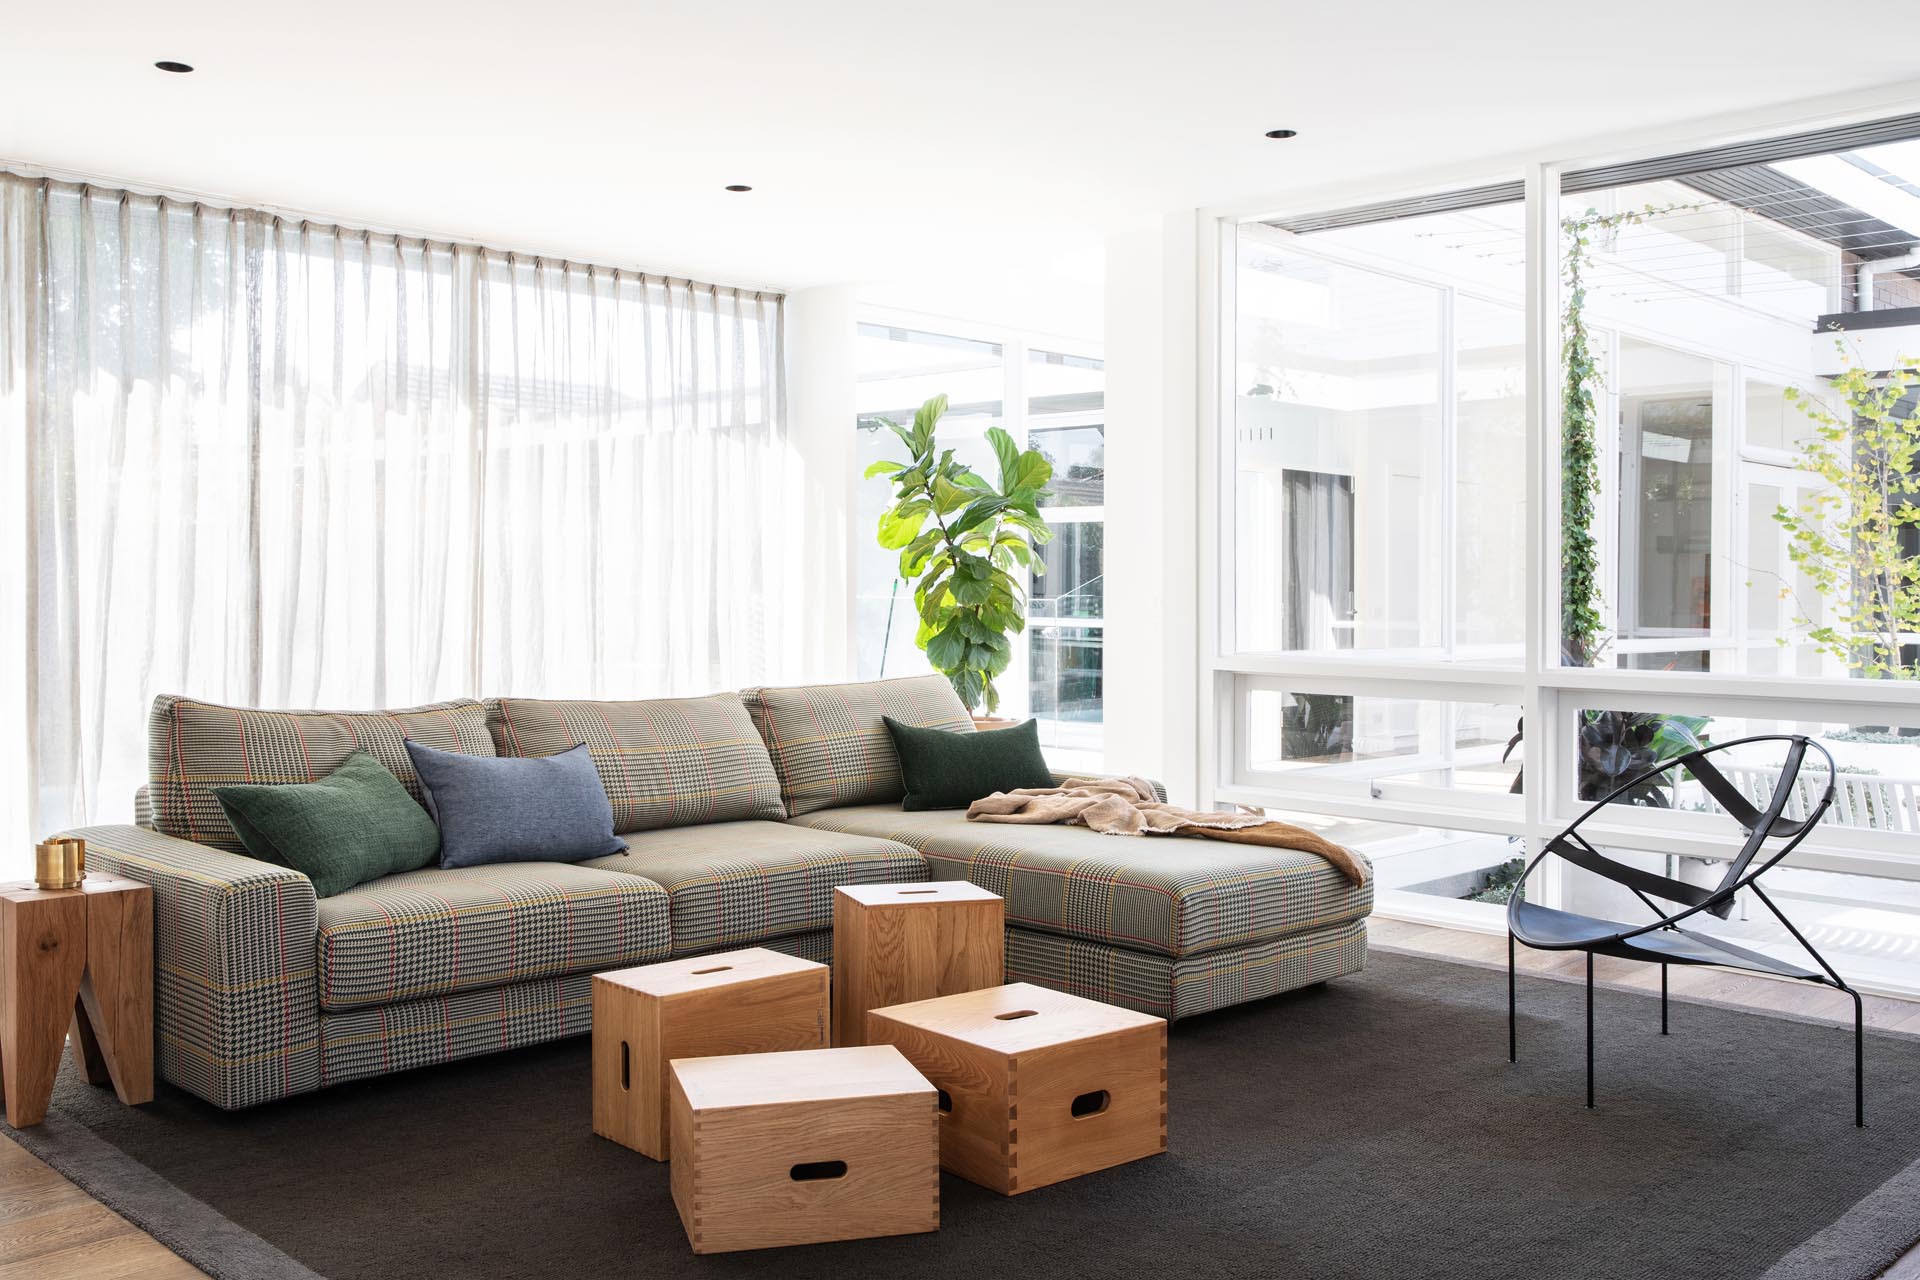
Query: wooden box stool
[82, 959]
[894, 943]
[1035, 1086]
[751, 1001]
[801, 1148]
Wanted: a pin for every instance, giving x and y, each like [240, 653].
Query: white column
[1152, 559]
[820, 433]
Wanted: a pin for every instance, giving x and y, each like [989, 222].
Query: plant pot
[985, 723]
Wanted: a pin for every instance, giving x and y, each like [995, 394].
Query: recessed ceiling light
[738, 186]
[178, 68]
[1283, 133]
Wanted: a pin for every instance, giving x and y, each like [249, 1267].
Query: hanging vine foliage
[1581, 636]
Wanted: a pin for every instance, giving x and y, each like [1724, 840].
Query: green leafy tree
[961, 539]
[1853, 539]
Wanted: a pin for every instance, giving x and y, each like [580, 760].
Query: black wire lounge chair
[1665, 940]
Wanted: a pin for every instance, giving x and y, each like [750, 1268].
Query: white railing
[1860, 799]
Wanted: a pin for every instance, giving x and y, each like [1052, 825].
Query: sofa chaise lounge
[740, 812]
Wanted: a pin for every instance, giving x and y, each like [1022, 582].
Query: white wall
[1153, 446]
[820, 417]
[1063, 301]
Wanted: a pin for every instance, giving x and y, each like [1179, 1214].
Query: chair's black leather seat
[1552, 930]
[1549, 930]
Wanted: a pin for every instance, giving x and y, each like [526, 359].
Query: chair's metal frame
[1664, 942]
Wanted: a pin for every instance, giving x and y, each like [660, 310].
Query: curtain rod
[29, 172]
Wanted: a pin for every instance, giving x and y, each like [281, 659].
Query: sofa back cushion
[665, 762]
[829, 742]
[195, 747]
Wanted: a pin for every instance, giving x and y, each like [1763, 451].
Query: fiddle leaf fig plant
[961, 539]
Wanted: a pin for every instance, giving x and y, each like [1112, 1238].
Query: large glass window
[1066, 629]
[1079, 458]
[1723, 310]
[1338, 452]
[1490, 475]
[1071, 585]
[1703, 316]
[1379, 518]
[1489, 549]
[1663, 580]
[1349, 745]
[1379, 446]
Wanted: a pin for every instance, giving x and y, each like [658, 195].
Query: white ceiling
[885, 141]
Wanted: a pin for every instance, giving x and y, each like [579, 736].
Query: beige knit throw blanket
[1130, 807]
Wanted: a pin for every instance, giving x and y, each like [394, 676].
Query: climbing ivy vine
[1581, 636]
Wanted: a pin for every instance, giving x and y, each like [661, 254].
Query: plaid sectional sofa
[740, 812]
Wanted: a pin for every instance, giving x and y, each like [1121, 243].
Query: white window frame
[1552, 694]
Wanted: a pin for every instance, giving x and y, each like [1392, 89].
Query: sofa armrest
[1061, 779]
[236, 987]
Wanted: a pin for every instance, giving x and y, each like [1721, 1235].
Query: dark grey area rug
[1368, 1128]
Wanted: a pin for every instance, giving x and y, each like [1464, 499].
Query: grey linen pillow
[534, 809]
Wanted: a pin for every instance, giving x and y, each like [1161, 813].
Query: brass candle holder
[60, 863]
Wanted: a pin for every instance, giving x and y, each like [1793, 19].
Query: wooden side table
[79, 958]
[750, 1001]
[896, 943]
[802, 1148]
[1036, 1086]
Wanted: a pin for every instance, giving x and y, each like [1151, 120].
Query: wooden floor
[52, 1230]
[1720, 986]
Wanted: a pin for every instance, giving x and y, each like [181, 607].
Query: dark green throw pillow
[946, 770]
[356, 824]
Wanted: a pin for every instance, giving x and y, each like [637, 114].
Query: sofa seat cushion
[440, 931]
[357, 1043]
[735, 883]
[1163, 894]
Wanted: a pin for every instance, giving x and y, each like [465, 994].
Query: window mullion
[1541, 269]
[1449, 472]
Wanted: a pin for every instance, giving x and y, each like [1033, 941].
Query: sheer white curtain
[276, 463]
[634, 502]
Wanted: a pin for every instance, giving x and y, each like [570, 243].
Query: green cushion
[944, 770]
[356, 824]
